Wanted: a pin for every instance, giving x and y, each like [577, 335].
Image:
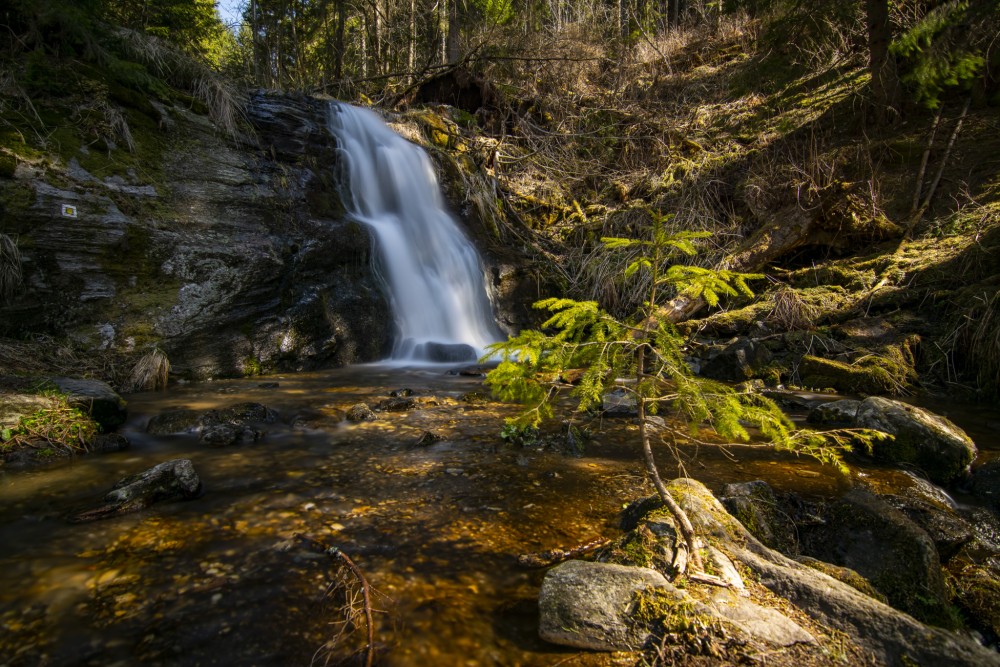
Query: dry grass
[150, 373]
[790, 312]
[978, 337]
[45, 355]
[225, 104]
[11, 275]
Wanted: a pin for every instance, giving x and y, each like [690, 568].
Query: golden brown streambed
[220, 580]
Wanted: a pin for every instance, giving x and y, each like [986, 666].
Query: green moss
[60, 427]
[665, 612]
[252, 366]
[871, 374]
[640, 548]
[977, 594]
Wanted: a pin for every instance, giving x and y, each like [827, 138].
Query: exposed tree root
[337, 554]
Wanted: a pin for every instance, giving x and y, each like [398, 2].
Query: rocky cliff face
[233, 257]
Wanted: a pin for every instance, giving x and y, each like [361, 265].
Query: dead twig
[553, 556]
[336, 553]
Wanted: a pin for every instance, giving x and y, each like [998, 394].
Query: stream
[222, 579]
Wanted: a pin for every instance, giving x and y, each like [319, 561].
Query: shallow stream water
[223, 580]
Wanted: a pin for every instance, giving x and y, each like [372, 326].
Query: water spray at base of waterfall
[432, 272]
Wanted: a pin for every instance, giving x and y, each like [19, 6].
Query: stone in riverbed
[360, 413]
[95, 398]
[170, 480]
[835, 412]
[225, 426]
[449, 352]
[933, 443]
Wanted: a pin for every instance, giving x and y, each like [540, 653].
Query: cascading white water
[432, 271]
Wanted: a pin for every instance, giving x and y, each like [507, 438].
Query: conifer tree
[645, 357]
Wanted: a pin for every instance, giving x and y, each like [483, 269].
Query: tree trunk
[341, 23]
[881, 65]
[454, 48]
[680, 516]
[411, 50]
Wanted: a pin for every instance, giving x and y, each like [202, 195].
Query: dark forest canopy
[916, 49]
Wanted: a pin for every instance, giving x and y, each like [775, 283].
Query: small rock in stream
[170, 480]
[360, 413]
[427, 438]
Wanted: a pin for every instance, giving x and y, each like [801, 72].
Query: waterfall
[432, 271]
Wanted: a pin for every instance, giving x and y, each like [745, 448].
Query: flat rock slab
[761, 623]
[587, 605]
[15, 406]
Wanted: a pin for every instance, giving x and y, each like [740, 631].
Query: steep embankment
[229, 253]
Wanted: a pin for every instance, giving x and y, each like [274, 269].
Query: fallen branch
[335, 552]
[919, 214]
[553, 556]
[924, 159]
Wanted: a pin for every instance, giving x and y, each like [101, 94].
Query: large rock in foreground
[588, 605]
[865, 534]
[890, 636]
[933, 443]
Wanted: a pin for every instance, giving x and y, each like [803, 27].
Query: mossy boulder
[868, 375]
[844, 575]
[975, 582]
[935, 445]
[865, 534]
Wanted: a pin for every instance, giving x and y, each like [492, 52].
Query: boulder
[448, 353]
[761, 623]
[756, 506]
[837, 413]
[95, 398]
[398, 404]
[589, 605]
[890, 636]
[167, 481]
[865, 534]
[740, 360]
[930, 442]
[930, 508]
[221, 427]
